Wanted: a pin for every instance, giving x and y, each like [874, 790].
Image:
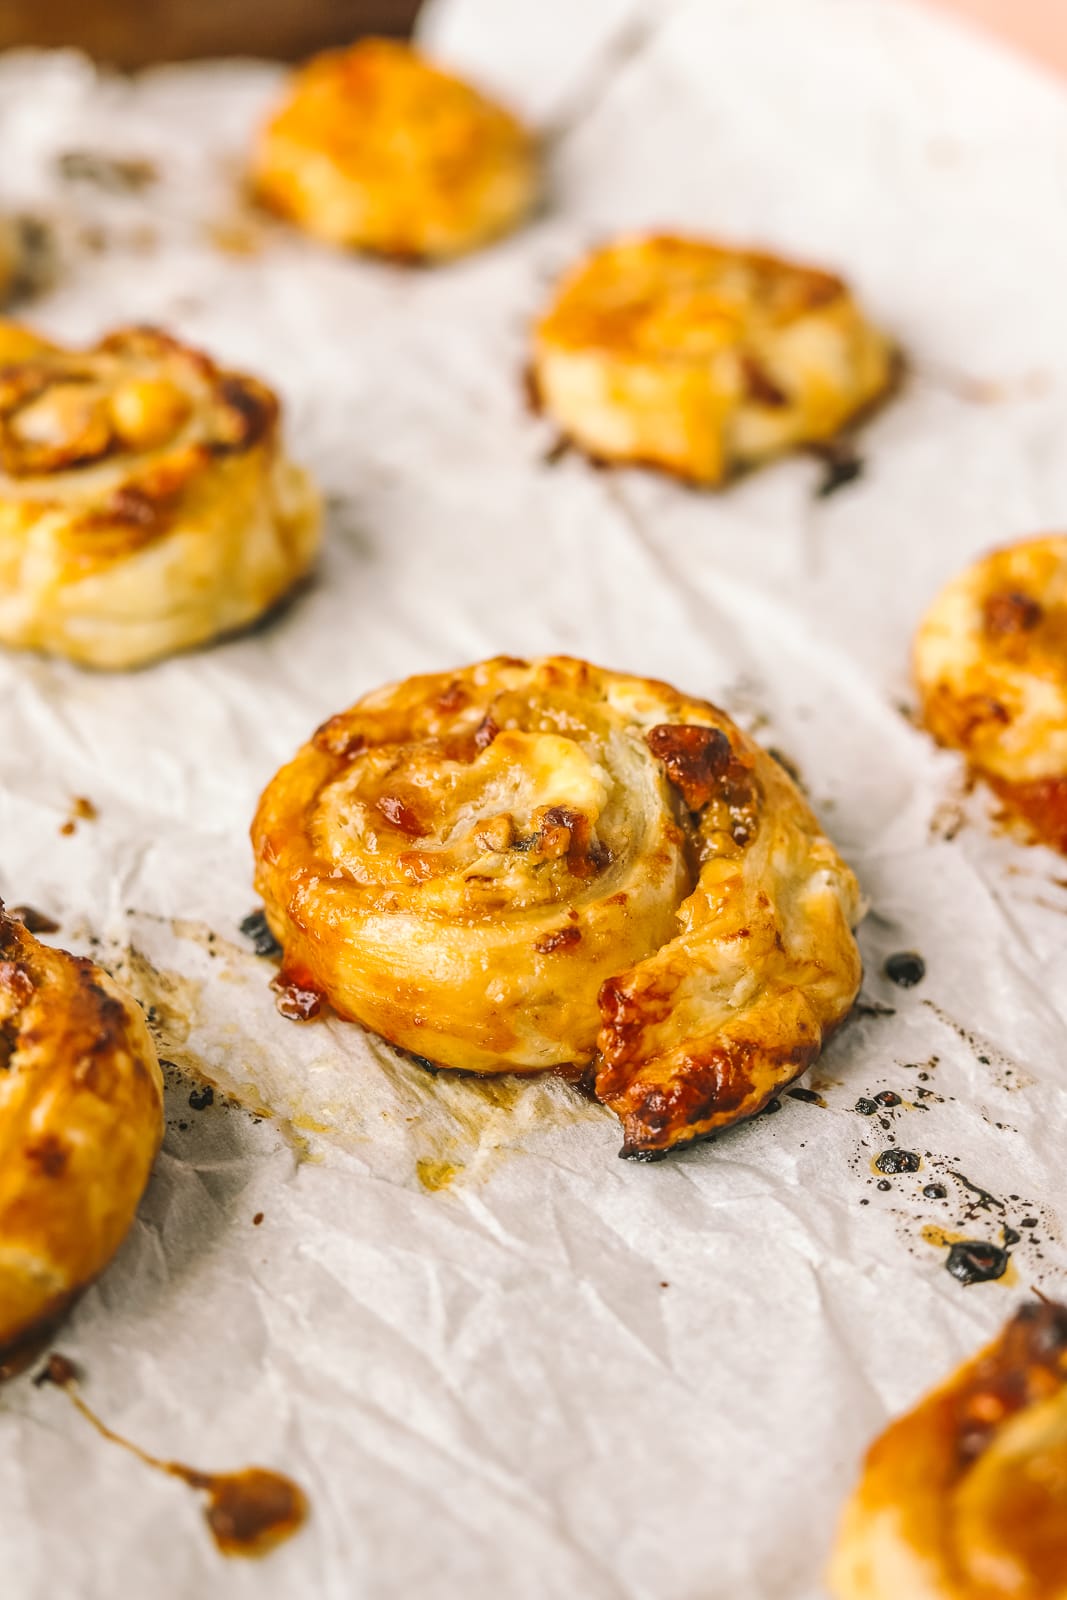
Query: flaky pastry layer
[991, 668]
[81, 1120]
[376, 149]
[700, 359]
[965, 1498]
[146, 505]
[540, 865]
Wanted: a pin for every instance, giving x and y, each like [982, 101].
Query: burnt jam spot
[1011, 613]
[400, 815]
[1028, 1222]
[49, 1154]
[906, 968]
[256, 927]
[1011, 1235]
[894, 1161]
[865, 1107]
[975, 1261]
[451, 699]
[696, 759]
[560, 939]
[935, 1191]
[202, 1097]
[759, 385]
[485, 733]
[246, 414]
[888, 1098]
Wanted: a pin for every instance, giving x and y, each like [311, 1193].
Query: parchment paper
[502, 1362]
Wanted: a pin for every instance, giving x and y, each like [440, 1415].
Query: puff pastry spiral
[965, 1498]
[526, 866]
[686, 355]
[991, 666]
[81, 1120]
[145, 502]
[377, 149]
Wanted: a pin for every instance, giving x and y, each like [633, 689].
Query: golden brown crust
[376, 149]
[145, 502]
[525, 866]
[991, 668]
[81, 1120]
[700, 359]
[965, 1498]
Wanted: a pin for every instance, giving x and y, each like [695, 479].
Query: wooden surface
[130, 33]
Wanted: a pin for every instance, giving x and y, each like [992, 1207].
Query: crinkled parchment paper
[502, 1362]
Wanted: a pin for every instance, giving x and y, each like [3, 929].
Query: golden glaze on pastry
[377, 149]
[145, 502]
[965, 1498]
[991, 666]
[682, 354]
[527, 866]
[81, 1120]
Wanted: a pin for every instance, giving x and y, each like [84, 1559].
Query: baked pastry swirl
[539, 865]
[145, 502]
[991, 667]
[965, 1498]
[686, 355]
[375, 148]
[81, 1120]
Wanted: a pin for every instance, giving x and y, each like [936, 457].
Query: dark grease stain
[975, 1261]
[842, 464]
[808, 1096]
[895, 1161]
[256, 928]
[35, 921]
[906, 968]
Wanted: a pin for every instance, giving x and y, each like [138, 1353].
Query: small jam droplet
[295, 1002]
[974, 1261]
[935, 1191]
[887, 1098]
[898, 1161]
[906, 968]
[882, 1184]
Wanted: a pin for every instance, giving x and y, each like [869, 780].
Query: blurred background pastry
[701, 359]
[991, 667]
[377, 149]
[146, 502]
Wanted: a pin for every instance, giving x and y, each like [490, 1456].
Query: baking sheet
[502, 1362]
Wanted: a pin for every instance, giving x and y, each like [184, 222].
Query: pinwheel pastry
[376, 149]
[991, 666]
[145, 502]
[683, 354]
[966, 1497]
[528, 866]
[81, 1119]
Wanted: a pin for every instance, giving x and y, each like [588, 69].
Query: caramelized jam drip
[248, 1512]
